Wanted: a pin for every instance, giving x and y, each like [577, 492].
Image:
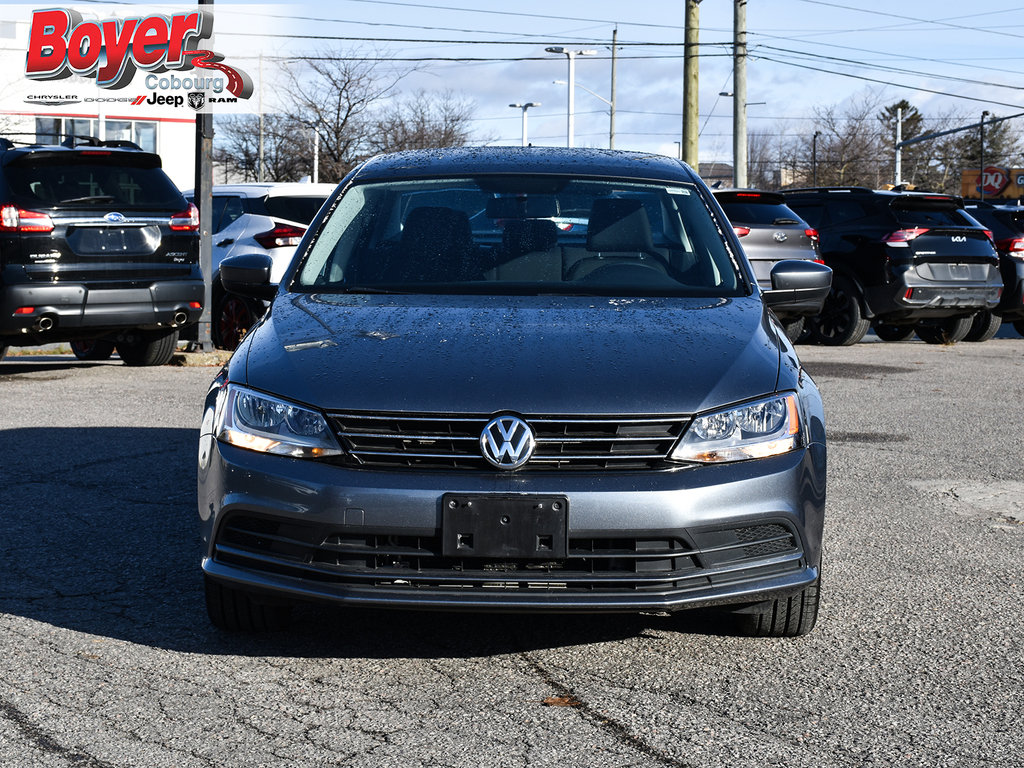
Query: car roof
[547, 161]
[272, 189]
[893, 193]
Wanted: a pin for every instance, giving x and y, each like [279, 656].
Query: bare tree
[850, 143]
[353, 104]
[424, 121]
[237, 149]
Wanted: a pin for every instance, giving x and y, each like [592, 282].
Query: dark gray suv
[457, 402]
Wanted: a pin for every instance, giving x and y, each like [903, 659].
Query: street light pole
[570, 118]
[525, 107]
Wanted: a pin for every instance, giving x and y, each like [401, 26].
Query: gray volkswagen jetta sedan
[517, 379]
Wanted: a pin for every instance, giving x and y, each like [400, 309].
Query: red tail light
[741, 231]
[24, 310]
[280, 236]
[15, 219]
[902, 237]
[187, 220]
[1012, 245]
[812, 234]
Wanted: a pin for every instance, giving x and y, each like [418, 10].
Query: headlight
[755, 430]
[268, 424]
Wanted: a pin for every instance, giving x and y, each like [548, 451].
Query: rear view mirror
[522, 207]
[799, 287]
[248, 275]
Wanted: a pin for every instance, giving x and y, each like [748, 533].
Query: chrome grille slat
[425, 441]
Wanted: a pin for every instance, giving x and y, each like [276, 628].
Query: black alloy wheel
[841, 322]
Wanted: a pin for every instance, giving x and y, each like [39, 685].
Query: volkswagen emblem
[507, 442]
[780, 237]
[115, 218]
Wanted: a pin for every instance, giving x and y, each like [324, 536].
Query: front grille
[444, 442]
[613, 565]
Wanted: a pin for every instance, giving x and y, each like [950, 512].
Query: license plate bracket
[505, 527]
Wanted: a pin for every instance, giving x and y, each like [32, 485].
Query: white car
[267, 218]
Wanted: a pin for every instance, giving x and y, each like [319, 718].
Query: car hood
[536, 355]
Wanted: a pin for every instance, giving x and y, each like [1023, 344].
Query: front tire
[92, 349]
[233, 610]
[790, 616]
[947, 331]
[984, 326]
[841, 322]
[144, 348]
[794, 329]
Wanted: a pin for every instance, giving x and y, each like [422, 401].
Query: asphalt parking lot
[107, 658]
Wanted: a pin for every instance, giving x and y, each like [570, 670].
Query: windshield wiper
[89, 199]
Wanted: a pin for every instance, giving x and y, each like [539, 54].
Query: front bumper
[650, 541]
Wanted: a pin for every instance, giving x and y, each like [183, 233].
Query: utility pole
[981, 175]
[203, 197]
[691, 102]
[739, 95]
[898, 179]
[611, 106]
[814, 158]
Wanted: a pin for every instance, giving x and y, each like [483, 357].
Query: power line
[887, 82]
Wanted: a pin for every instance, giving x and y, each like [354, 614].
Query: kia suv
[456, 402]
[255, 217]
[904, 262]
[770, 231]
[97, 248]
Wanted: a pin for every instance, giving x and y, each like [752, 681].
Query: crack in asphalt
[45, 742]
[619, 731]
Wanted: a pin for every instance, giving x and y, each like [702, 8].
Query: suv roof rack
[69, 142]
[72, 141]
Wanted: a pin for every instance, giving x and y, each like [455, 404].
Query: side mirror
[799, 287]
[248, 275]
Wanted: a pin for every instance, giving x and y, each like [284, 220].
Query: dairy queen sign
[1005, 183]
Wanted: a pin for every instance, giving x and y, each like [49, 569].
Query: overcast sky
[803, 53]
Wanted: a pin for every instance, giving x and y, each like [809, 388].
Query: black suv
[1006, 222]
[903, 262]
[98, 247]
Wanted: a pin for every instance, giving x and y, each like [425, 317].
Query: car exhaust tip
[180, 317]
[44, 323]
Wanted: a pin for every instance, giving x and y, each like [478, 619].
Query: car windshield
[521, 235]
